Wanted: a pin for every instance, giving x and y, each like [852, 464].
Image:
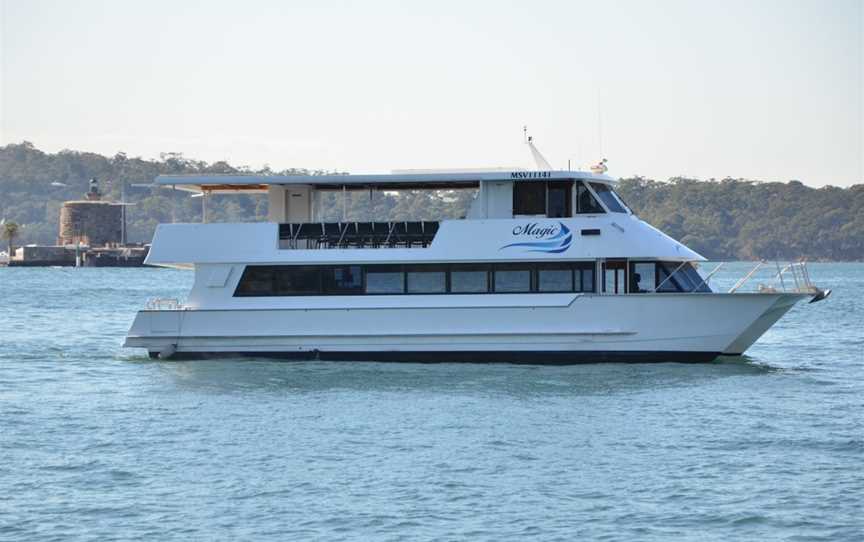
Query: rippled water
[100, 443]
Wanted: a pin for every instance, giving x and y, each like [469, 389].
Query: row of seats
[357, 234]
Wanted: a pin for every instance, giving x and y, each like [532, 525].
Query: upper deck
[513, 216]
[389, 181]
[499, 194]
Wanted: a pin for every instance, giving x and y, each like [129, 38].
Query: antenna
[599, 123]
[525, 134]
[539, 160]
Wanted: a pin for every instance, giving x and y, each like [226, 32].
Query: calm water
[100, 443]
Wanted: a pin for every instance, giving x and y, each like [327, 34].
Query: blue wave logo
[552, 239]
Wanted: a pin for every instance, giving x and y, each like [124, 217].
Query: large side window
[529, 198]
[389, 279]
[642, 277]
[558, 199]
[467, 279]
[257, 280]
[279, 281]
[426, 280]
[385, 279]
[554, 278]
[585, 202]
[343, 280]
[584, 276]
[298, 280]
[512, 279]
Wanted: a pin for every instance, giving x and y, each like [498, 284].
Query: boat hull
[521, 328]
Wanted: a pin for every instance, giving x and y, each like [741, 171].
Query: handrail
[800, 278]
[708, 277]
[746, 277]
[669, 277]
[162, 304]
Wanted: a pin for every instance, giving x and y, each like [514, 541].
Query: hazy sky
[767, 90]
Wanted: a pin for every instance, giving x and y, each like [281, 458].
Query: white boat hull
[530, 328]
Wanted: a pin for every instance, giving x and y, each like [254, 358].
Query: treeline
[725, 219]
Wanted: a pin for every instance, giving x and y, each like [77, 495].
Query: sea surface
[101, 443]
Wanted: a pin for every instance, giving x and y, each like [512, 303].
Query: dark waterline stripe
[535, 357]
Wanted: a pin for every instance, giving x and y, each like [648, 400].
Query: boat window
[695, 278]
[608, 197]
[465, 280]
[298, 280]
[554, 279]
[343, 280]
[529, 198]
[385, 280]
[426, 280]
[256, 281]
[685, 278]
[279, 280]
[642, 277]
[614, 277]
[622, 202]
[586, 279]
[559, 198]
[585, 202]
[513, 280]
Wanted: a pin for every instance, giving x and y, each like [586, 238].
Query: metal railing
[162, 304]
[313, 235]
[795, 273]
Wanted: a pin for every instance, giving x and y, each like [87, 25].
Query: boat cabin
[516, 221]
[293, 202]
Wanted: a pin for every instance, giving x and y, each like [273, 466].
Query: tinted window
[283, 280]
[587, 279]
[256, 281]
[346, 280]
[385, 281]
[297, 281]
[513, 280]
[469, 281]
[555, 280]
[695, 278]
[529, 198]
[585, 202]
[427, 281]
[605, 193]
[559, 195]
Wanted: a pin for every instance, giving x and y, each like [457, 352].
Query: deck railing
[793, 277]
[317, 235]
[162, 304]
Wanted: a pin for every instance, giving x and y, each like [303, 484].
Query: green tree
[9, 233]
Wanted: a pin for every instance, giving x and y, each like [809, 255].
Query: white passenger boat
[547, 267]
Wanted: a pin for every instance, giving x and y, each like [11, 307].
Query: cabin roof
[232, 182]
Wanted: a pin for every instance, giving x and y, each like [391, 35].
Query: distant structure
[91, 222]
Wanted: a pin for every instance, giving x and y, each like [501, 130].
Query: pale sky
[768, 90]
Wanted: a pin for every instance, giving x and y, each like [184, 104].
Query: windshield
[607, 196]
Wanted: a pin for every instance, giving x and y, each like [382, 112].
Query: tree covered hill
[726, 219]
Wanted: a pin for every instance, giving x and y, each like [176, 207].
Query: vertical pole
[344, 203]
[123, 212]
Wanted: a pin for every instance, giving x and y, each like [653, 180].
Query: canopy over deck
[392, 181]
